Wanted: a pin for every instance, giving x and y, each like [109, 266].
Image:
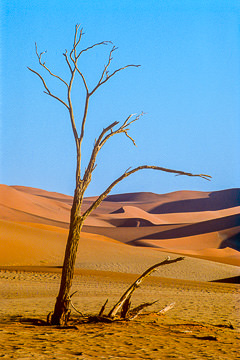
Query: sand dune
[148, 197]
[36, 244]
[33, 205]
[119, 216]
[43, 193]
[209, 226]
[215, 201]
[41, 219]
[33, 234]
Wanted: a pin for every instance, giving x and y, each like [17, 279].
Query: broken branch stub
[138, 309]
[127, 295]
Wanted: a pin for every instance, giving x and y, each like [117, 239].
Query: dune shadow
[216, 200]
[197, 228]
[230, 280]
[232, 242]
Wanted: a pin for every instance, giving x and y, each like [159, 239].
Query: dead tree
[83, 178]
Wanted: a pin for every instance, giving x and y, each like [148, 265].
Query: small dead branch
[226, 326]
[137, 310]
[103, 308]
[167, 308]
[79, 312]
[49, 316]
[70, 301]
[208, 337]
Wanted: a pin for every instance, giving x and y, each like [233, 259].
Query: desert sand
[126, 234]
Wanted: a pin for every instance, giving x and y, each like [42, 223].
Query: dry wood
[77, 217]
[138, 309]
[125, 309]
[137, 283]
[103, 308]
[79, 312]
[166, 308]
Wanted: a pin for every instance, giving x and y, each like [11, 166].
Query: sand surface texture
[125, 235]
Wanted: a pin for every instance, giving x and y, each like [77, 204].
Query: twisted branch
[127, 173]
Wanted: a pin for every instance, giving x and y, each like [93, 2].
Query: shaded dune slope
[226, 222]
[200, 224]
[215, 201]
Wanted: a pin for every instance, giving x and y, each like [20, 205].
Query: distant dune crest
[200, 224]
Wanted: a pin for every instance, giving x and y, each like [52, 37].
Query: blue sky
[188, 85]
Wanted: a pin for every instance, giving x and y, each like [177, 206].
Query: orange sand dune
[191, 243]
[226, 255]
[219, 224]
[127, 234]
[34, 243]
[216, 200]
[37, 244]
[41, 219]
[27, 203]
[194, 242]
[43, 193]
[148, 197]
[142, 200]
[130, 215]
[33, 234]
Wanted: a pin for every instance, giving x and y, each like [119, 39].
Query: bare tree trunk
[63, 299]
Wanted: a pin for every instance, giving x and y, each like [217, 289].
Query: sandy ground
[205, 321]
[196, 328]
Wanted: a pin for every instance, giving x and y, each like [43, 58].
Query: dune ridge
[34, 222]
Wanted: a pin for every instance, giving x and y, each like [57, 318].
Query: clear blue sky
[188, 85]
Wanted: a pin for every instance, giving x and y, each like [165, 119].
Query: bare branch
[111, 75]
[84, 118]
[121, 129]
[79, 312]
[103, 137]
[79, 39]
[96, 148]
[166, 308]
[48, 92]
[67, 60]
[137, 310]
[96, 203]
[45, 67]
[92, 46]
[126, 296]
[76, 42]
[82, 76]
[106, 66]
[103, 308]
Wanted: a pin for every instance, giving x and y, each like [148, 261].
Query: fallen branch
[137, 310]
[121, 310]
[167, 308]
[127, 295]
